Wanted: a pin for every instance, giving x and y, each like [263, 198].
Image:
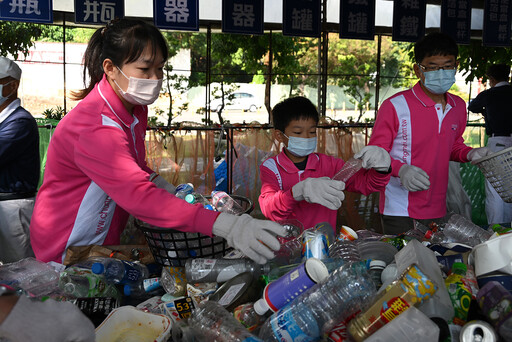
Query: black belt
[6, 196]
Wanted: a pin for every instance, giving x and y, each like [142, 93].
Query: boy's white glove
[161, 183]
[374, 157]
[478, 153]
[323, 191]
[413, 178]
[255, 238]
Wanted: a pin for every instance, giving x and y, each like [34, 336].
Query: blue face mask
[3, 98]
[439, 81]
[301, 147]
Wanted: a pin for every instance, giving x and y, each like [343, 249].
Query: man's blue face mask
[301, 147]
[3, 98]
[439, 81]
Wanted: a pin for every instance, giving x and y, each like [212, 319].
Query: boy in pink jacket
[297, 184]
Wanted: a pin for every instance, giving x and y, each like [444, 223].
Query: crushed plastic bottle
[348, 169]
[226, 204]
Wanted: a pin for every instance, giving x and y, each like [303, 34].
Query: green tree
[17, 37]
[474, 59]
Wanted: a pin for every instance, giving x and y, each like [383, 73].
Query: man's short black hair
[293, 108]
[435, 44]
[500, 72]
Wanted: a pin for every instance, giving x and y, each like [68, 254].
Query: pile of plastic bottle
[428, 284]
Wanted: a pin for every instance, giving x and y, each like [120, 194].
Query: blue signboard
[496, 23]
[98, 11]
[302, 18]
[176, 14]
[409, 20]
[357, 19]
[242, 16]
[456, 20]
[33, 11]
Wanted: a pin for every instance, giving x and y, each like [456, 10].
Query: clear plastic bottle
[118, 271]
[202, 270]
[196, 197]
[147, 288]
[322, 307]
[316, 241]
[183, 190]
[345, 249]
[348, 169]
[212, 322]
[460, 229]
[249, 318]
[82, 282]
[376, 268]
[226, 204]
[437, 237]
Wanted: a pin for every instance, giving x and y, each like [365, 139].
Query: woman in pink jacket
[96, 172]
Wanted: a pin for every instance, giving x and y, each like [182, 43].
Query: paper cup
[347, 233]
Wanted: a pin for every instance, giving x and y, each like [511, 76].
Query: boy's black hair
[435, 44]
[500, 72]
[293, 108]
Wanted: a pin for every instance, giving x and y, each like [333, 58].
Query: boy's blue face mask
[439, 81]
[301, 147]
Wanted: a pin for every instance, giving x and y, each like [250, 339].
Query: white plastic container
[440, 304]
[127, 324]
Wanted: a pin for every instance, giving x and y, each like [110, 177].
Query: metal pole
[377, 80]
[64, 61]
[323, 46]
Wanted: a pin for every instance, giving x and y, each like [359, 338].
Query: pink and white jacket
[279, 174]
[415, 131]
[96, 174]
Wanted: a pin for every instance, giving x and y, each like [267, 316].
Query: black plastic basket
[172, 247]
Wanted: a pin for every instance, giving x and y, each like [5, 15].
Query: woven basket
[497, 168]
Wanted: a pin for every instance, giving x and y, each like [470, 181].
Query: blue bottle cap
[97, 268]
[209, 207]
[127, 290]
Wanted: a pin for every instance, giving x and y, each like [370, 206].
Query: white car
[240, 101]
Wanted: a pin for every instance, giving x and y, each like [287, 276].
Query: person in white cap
[19, 166]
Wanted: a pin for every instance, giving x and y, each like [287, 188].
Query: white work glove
[374, 157]
[323, 191]
[478, 153]
[413, 178]
[255, 238]
[161, 183]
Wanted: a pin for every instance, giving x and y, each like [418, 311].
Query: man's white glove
[323, 191]
[255, 238]
[478, 153]
[374, 157]
[161, 183]
[413, 178]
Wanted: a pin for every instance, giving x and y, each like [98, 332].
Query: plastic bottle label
[200, 268]
[315, 246]
[227, 273]
[285, 328]
[151, 284]
[131, 273]
[230, 294]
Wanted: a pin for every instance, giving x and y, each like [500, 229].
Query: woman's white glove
[255, 238]
[413, 178]
[323, 191]
[478, 153]
[161, 183]
[374, 157]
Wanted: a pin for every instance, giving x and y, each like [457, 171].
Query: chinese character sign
[497, 18]
[357, 19]
[242, 16]
[302, 18]
[409, 20]
[176, 14]
[456, 20]
[98, 11]
[34, 11]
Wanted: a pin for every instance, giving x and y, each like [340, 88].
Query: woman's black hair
[122, 41]
[293, 108]
[435, 44]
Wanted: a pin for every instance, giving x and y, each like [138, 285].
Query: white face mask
[3, 98]
[301, 147]
[140, 91]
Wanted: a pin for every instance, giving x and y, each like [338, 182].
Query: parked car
[240, 101]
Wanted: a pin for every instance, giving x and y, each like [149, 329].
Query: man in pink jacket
[297, 184]
[422, 129]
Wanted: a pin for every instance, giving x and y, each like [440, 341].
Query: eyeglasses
[434, 68]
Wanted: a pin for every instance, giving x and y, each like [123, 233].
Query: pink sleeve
[105, 157]
[367, 181]
[460, 150]
[384, 132]
[275, 203]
